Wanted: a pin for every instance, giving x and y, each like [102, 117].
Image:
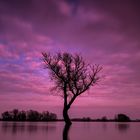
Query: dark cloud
[126, 12]
[44, 15]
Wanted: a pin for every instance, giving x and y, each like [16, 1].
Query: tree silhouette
[33, 115]
[47, 116]
[71, 75]
[15, 114]
[6, 116]
[122, 118]
[22, 116]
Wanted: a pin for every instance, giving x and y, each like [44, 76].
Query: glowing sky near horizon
[104, 32]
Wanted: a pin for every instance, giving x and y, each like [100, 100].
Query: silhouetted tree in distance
[104, 118]
[22, 116]
[6, 116]
[47, 116]
[15, 114]
[33, 115]
[71, 75]
[122, 118]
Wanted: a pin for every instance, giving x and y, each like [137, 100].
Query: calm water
[78, 131]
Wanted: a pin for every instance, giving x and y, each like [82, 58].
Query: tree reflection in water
[26, 127]
[122, 127]
[66, 132]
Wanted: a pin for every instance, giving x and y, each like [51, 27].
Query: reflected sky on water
[78, 130]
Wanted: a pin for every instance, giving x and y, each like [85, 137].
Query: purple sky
[105, 32]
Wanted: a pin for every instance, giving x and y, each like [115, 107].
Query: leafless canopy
[71, 74]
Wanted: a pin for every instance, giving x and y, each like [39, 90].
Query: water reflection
[122, 127]
[16, 127]
[66, 132]
[104, 126]
[57, 130]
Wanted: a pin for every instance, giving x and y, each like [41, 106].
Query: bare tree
[71, 75]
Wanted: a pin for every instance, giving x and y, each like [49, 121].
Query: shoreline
[73, 120]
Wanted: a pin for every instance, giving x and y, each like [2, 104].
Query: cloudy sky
[104, 32]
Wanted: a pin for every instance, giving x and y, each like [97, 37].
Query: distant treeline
[117, 118]
[31, 115]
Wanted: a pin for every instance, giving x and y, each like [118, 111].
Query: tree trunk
[66, 116]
